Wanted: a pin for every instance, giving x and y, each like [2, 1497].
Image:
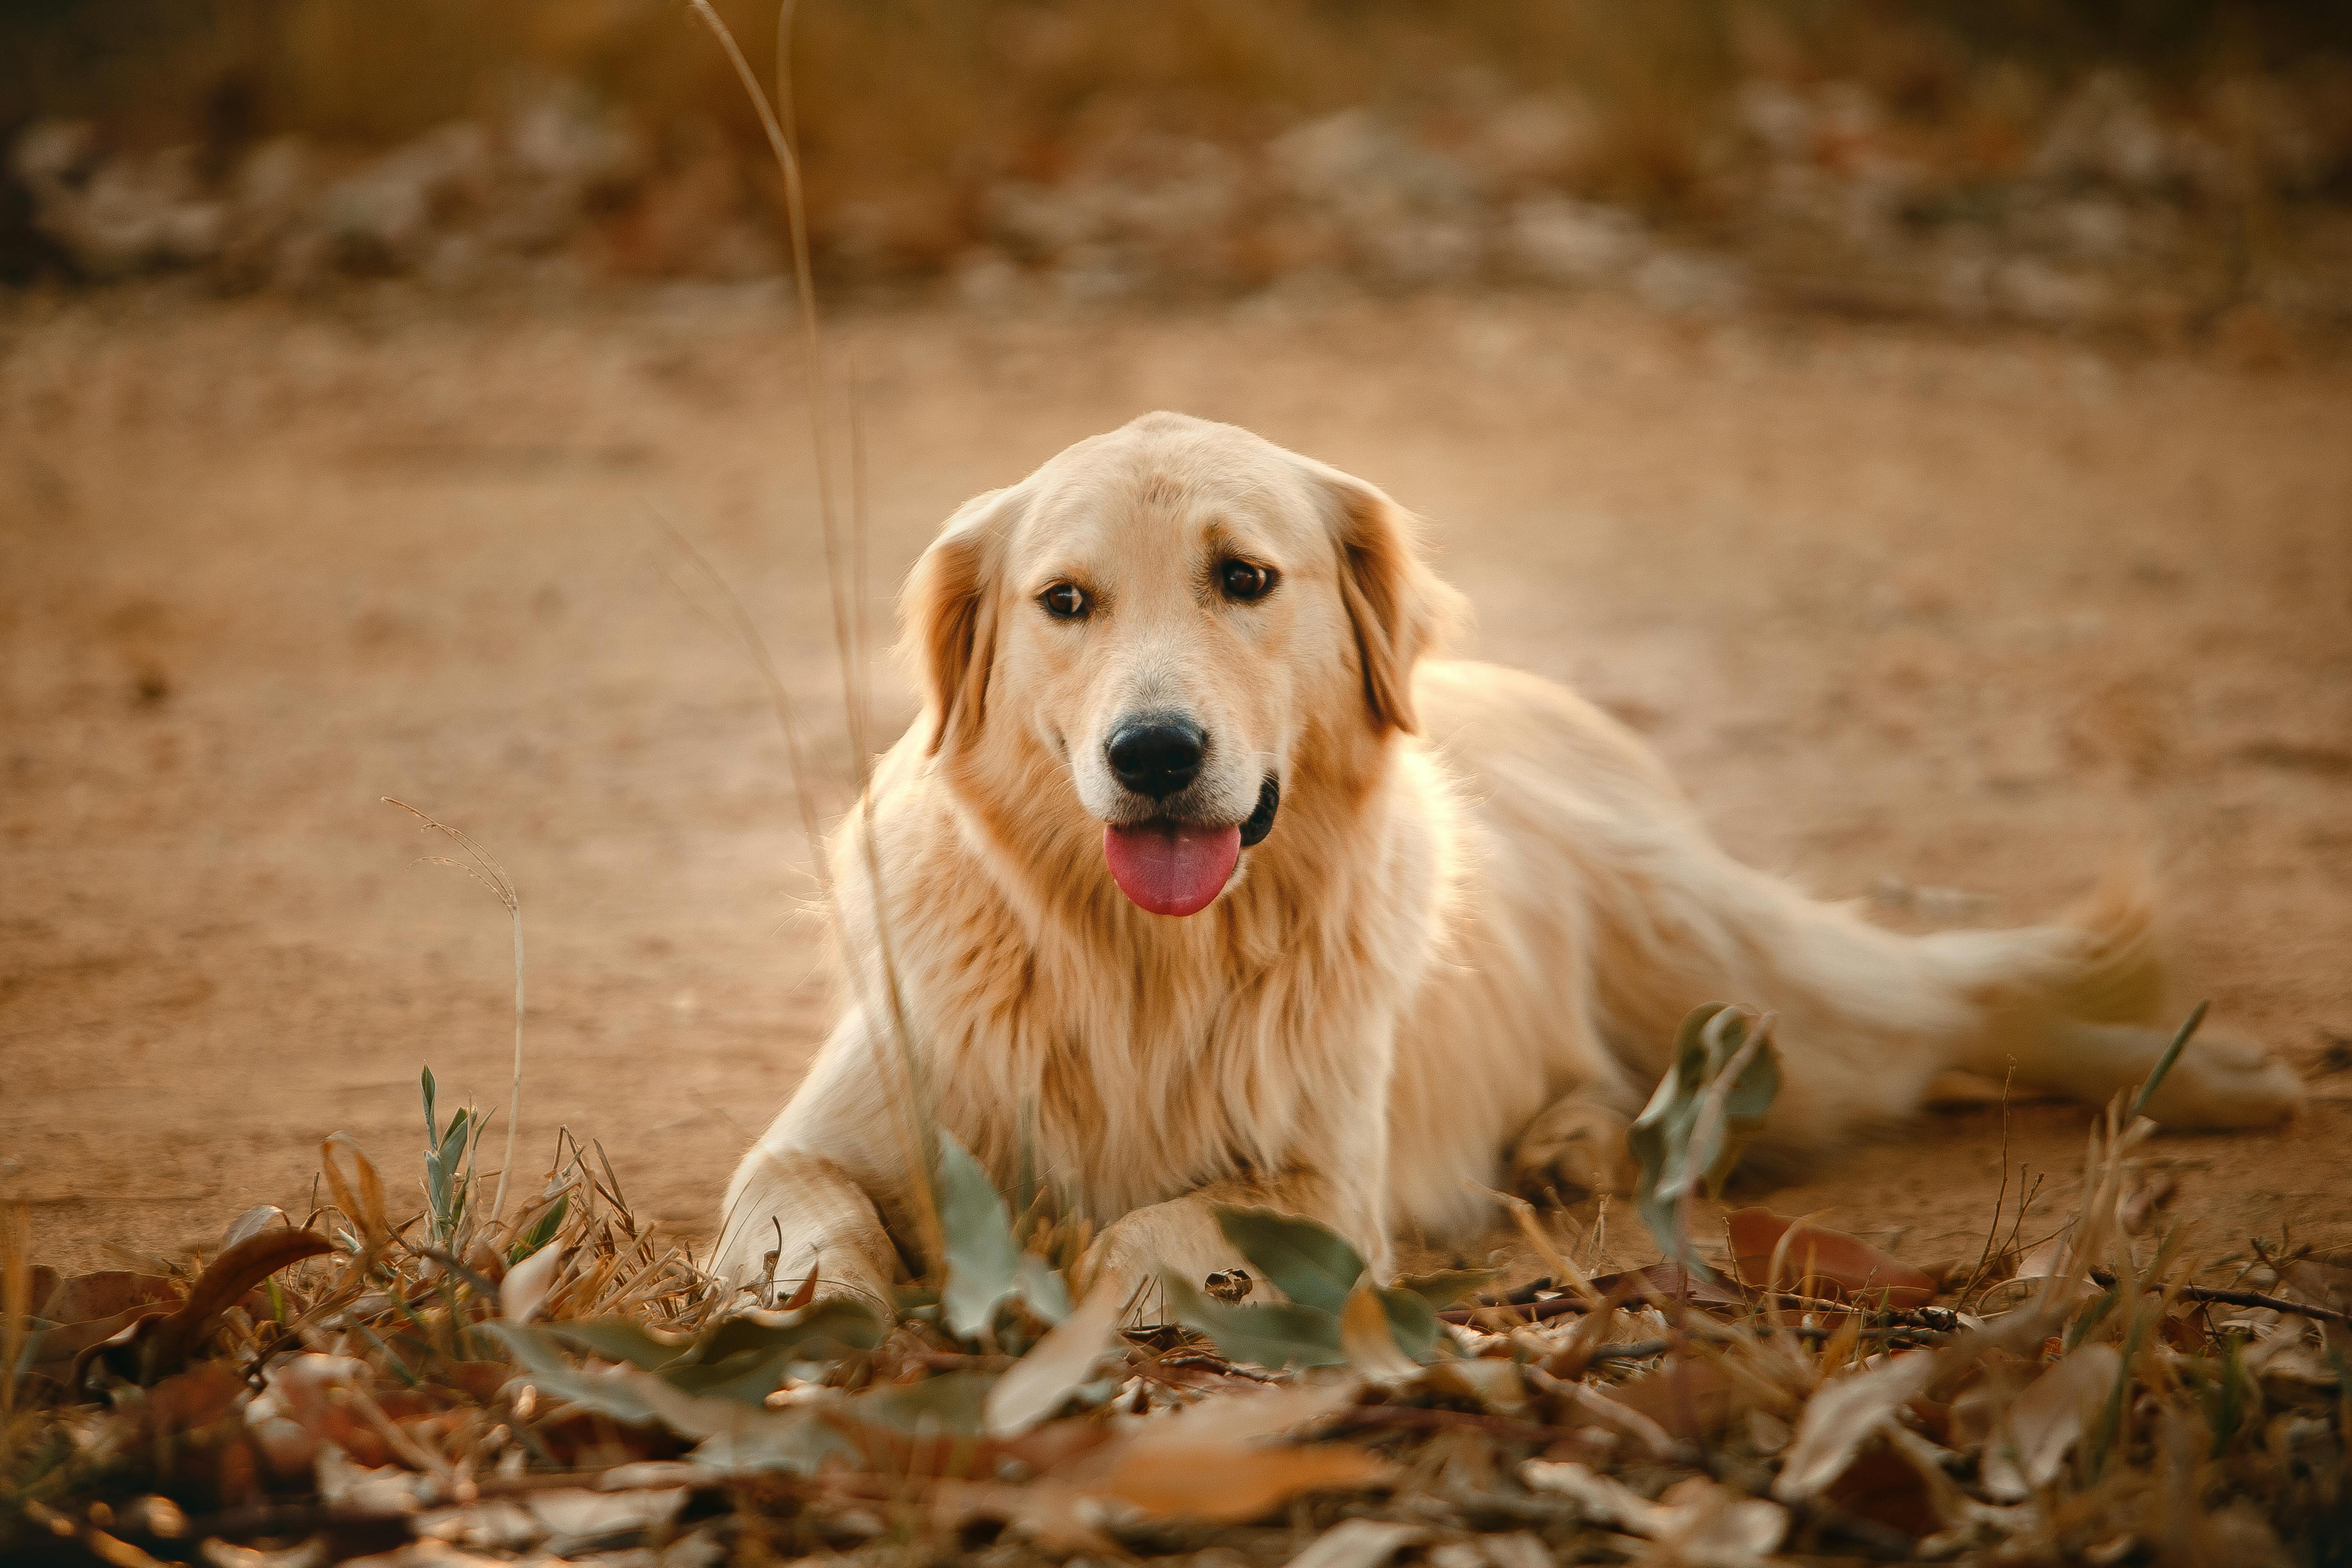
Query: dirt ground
[1907, 609]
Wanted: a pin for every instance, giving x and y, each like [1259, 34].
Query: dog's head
[1154, 626]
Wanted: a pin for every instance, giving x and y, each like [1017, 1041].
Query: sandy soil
[1906, 609]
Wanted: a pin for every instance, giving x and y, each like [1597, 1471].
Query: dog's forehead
[1167, 478]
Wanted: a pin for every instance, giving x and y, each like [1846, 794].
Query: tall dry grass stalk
[912, 1121]
[483, 868]
[16, 1299]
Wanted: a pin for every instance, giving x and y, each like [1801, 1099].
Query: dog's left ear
[950, 615]
[1398, 609]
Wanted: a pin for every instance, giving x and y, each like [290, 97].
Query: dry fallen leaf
[1247, 1414]
[578, 1512]
[1603, 1500]
[1688, 1397]
[1231, 1483]
[1370, 1344]
[1697, 1521]
[1055, 1367]
[1843, 1415]
[1212, 1460]
[1819, 1261]
[2032, 1438]
[1581, 1405]
[1709, 1525]
[1359, 1544]
[524, 1290]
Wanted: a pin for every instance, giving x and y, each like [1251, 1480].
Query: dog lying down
[1204, 876]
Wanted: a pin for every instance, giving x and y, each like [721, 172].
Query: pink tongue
[1172, 870]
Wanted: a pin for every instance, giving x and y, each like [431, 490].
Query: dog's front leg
[1337, 1174]
[808, 1198]
[791, 1215]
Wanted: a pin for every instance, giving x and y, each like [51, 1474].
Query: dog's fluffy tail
[1868, 1016]
[2102, 957]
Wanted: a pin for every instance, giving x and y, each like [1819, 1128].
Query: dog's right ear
[951, 618]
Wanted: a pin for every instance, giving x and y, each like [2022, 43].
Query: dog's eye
[1246, 580]
[1065, 601]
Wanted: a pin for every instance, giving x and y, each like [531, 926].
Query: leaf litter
[428, 1381]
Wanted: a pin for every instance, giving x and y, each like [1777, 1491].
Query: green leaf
[1043, 1289]
[743, 1359]
[747, 1376]
[620, 1397]
[985, 1264]
[1312, 1266]
[747, 1358]
[1273, 1337]
[821, 1331]
[799, 1440]
[736, 1435]
[1414, 1323]
[948, 1404]
[1688, 1137]
[982, 1261]
[620, 1340]
[445, 1194]
[1447, 1286]
[543, 1231]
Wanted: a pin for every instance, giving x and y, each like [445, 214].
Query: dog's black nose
[1157, 756]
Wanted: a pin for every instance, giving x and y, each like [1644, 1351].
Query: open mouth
[1171, 867]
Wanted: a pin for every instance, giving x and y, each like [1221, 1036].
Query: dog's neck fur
[1144, 1043]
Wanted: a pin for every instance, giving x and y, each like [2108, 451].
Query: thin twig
[914, 1123]
[1455, 1420]
[2106, 1280]
[2000, 1199]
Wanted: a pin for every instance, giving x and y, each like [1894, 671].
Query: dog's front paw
[1117, 1261]
[2225, 1080]
[1576, 1147]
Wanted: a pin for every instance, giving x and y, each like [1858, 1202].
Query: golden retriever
[1203, 879]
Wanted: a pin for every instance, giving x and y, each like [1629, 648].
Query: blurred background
[1926, 423]
[2146, 166]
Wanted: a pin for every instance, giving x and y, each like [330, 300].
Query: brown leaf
[193, 1399]
[1696, 1520]
[1666, 1281]
[109, 1293]
[1843, 1415]
[2030, 1440]
[1883, 1486]
[1370, 1342]
[365, 1209]
[1232, 1483]
[1688, 1398]
[60, 1350]
[253, 1221]
[1822, 1262]
[173, 1339]
[1359, 1544]
[1055, 1367]
[1053, 1513]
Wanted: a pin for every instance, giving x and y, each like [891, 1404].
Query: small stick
[1458, 1420]
[2106, 1280]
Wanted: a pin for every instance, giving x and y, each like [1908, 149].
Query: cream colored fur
[1457, 960]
